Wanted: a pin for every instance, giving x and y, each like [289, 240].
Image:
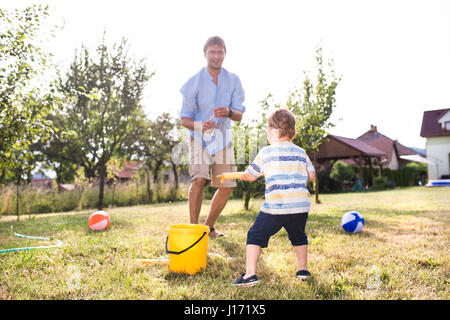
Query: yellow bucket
[187, 246]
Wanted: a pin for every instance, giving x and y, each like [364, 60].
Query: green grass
[402, 253]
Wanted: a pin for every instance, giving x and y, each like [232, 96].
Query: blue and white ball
[352, 222]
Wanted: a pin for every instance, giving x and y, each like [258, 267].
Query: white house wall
[438, 150]
[393, 165]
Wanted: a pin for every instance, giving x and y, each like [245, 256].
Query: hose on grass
[58, 244]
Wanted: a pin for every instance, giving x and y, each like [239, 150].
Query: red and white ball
[99, 220]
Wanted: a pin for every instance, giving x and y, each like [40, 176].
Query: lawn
[402, 253]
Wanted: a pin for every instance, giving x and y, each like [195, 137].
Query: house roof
[337, 147]
[416, 158]
[383, 143]
[128, 170]
[430, 125]
[360, 146]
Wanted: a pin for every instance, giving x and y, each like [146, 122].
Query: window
[447, 126]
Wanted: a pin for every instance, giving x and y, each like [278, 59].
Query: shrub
[381, 183]
[326, 183]
[66, 201]
[6, 200]
[408, 175]
[36, 200]
[413, 172]
[342, 172]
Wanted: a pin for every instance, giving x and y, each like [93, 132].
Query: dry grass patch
[402, 253]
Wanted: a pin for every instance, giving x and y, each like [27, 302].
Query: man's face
[214, 56]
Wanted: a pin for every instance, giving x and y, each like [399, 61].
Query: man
[211, 99]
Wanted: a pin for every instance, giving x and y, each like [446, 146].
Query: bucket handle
[180, 252]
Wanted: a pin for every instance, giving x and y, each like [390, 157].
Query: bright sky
[393, 56]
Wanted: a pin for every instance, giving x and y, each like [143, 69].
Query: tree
[104, 92]
[165, 138]
[55, 152]
[157, 141]
[23, 103]
[249, 138]
[114, 166]
[313, 106]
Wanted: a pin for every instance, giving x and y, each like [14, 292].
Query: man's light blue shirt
[201, 96]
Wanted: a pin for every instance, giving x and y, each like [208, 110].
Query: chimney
[373, 128]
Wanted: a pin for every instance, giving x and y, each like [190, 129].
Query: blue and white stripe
[285, 167]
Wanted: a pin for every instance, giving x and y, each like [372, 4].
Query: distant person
[211, 99]
[287, 170]
[358, 186]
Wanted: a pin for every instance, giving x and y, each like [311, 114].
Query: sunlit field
[402, 253]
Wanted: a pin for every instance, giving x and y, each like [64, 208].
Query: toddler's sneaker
[250, 281]
[303, 274]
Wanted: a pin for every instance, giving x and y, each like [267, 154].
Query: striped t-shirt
[285, 167]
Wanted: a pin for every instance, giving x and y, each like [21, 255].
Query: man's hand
[221, 112]
[198, 125]
[208, 125]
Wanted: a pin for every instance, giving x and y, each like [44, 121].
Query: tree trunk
[17, 199]
[316, 189]
[80, 195]
[89, 172]
[149, 190]
[59, 178]
[113, 194]
[2, 177]
[102, 185]
[156, 171]
[361, 173]
[175, 174]
[247, 195]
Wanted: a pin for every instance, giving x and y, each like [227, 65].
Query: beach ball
[99, 220]
[352, 222]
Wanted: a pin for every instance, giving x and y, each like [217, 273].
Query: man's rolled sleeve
[237, 100]
[188, 108]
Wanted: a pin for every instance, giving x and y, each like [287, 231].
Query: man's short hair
[284, 120]
[213, 41]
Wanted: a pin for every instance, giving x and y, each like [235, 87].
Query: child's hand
[247, 177]
[311, 176]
